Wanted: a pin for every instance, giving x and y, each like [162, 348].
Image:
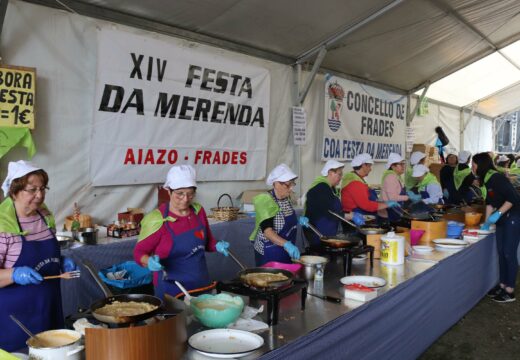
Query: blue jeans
[507, 237]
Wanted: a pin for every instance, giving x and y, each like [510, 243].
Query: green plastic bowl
[217, 311]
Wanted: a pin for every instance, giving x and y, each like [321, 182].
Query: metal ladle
[27, 331]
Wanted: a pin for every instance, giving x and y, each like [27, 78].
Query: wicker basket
[225, 213]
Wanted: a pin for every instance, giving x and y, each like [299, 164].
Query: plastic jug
[392, 249]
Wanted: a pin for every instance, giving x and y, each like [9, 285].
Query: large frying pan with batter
[124, 298]
[247, 276]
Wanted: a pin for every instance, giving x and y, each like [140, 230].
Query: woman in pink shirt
[174, 238]
[392, 186]
[28, 252]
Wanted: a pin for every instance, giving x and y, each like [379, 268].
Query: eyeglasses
[33, 191]
[289, 184]
[182, 195]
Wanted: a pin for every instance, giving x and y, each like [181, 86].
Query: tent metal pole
[297, 75]
[310, 78]
[3, 10]
[346, 31]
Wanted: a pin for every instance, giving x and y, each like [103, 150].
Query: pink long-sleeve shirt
[392, 189]
[160, 243]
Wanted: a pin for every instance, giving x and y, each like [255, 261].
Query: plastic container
[294, 268]
[454, 229]
[392, 249]
[217, 311]
[415, 236]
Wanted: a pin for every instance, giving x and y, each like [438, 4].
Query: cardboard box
[130, 217]
[435, 169]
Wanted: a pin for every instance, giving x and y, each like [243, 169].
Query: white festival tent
[399, 46]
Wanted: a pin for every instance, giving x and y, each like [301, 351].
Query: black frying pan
[271, 285]
[110, 298]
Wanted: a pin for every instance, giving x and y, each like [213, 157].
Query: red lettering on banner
[160, 160]
[207, 157]
[151, 156]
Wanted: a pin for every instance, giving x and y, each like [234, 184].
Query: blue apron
[394, 215]
[273, 252]
[186, 261]
[372, 196]
[38, 307]
[327, 224]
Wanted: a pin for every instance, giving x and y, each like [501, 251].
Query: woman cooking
[502, 209]
[175, 236]
[28, 252]
[427, 184]
[463, 179]
[392, 187]
[275, 226]
[322, 197]
[355, 193]
[416, 158]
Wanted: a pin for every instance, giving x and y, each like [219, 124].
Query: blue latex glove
[392, 204]
[493, 218]
[485, 226]
[358, 219]
[303, 221]
[292, 250]
[154, 263]
[67, 264]
[446, 193]
[25, 275]
[415, 198]
[222, 247]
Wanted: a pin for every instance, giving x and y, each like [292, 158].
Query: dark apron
[186, 262]
[273, 252]
[394, 215]
[327, 224]
[38, 307]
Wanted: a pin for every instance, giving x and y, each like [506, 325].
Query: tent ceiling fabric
[415, 42]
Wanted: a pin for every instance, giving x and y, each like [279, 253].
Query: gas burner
[272, 296]
[348, 253]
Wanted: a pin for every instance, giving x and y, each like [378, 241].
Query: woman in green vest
[274, 235]
[322, 196]
[416, 158]
[427, 184]
[502, 209]
[463, 178]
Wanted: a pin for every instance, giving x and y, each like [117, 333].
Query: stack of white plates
[449, 244]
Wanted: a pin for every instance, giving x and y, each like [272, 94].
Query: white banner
[159, 103]
[360, 118]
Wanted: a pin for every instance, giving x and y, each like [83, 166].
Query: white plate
[368, 281]
[422, 249]
[450, 244]
[225, 343]
[359, 258]
[484, 232]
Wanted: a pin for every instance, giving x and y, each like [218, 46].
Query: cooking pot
[64, 241]
[86, 235]
[56, 345]
[311, 264]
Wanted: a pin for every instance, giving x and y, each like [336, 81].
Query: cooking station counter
[420, 301]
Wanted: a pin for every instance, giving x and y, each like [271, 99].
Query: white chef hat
[419, 170]
[416, 157]
[280, 173]
[362, 159]
[181, 176]
[331, 165]
[16, 170]
[502, 158]
[392, 159]
[464, 155]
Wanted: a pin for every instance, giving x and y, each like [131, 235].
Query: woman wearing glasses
[28, 252]
[174, 238]
[275, 229]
